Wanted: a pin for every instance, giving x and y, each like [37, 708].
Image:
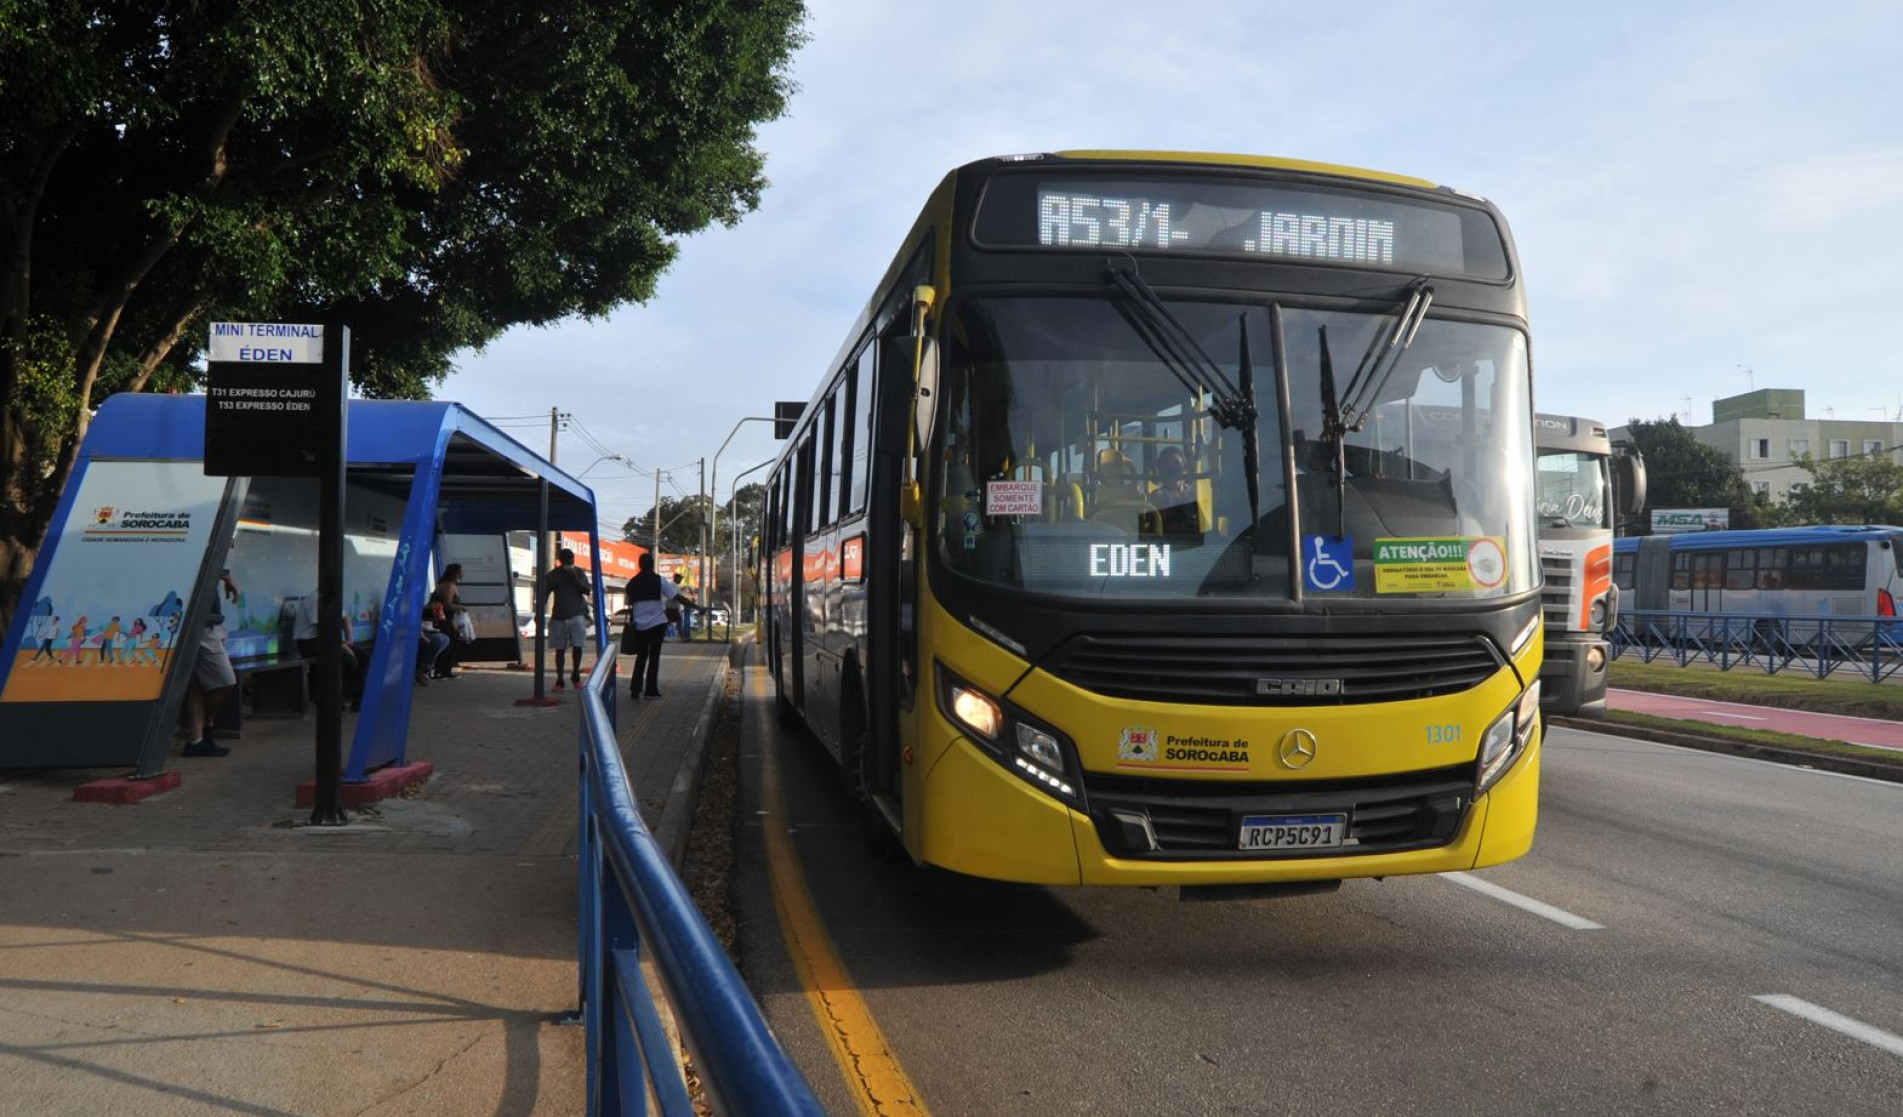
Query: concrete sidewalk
[202, 952]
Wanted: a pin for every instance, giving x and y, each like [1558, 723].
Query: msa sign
[267, 343]
[1675, 521]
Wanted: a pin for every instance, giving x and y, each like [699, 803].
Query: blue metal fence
[633, 906]
[1871, 647]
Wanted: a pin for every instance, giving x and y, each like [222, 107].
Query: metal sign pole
[541, 582]
[328, 808]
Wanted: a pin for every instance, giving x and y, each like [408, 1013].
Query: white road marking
[1524, 903]
[1836, 1022]
[1728, 714]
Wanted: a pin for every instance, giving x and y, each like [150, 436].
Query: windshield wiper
[1169, 339]
[1230, 404]
[1379, 362]
[1334, 435]
[1346, 411]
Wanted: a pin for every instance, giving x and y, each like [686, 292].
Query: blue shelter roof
[490, 481]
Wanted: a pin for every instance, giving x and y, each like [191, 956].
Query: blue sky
[1695, 189]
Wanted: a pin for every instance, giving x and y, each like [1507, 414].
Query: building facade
[1767, 431]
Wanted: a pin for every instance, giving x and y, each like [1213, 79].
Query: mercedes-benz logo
[1297, 748]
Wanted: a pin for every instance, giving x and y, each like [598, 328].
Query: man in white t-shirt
[648, 597]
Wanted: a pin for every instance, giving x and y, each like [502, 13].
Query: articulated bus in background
[1110, 551]
[1583, 483]
[1822, 571]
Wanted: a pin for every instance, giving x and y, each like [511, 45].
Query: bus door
[1708, 581]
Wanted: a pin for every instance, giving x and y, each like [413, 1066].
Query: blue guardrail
[1818, 645]
[634, 906]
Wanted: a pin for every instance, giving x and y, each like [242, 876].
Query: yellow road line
[878, 1084]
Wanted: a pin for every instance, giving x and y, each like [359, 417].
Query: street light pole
[714, 511]
[737, 597]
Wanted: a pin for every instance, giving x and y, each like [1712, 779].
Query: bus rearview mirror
[925, 395]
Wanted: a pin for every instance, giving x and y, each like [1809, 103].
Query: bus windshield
[1072, 461]
[1572, 489]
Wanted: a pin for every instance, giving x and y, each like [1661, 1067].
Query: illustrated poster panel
[106, 620]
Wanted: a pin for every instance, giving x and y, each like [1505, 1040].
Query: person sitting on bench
[308, 646]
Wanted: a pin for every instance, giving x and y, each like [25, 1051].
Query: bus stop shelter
[97, 658]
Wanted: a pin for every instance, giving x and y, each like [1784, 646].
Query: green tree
[1866, 489]
[1682, 472]
[429, 173]
[681, 524]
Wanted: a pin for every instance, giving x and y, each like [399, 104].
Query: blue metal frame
[632, 901]
[1818, 644]
[382, 735]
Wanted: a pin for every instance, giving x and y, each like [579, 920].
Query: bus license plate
[1293, 831]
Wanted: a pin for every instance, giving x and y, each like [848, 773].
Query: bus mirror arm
[912, 504]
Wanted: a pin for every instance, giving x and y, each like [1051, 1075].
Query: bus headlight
[1507, 737]
[976, 712]
[1027, 747]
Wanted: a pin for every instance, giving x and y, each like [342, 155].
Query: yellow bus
[1167, 519]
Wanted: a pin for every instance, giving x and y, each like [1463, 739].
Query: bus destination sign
[1192, 216]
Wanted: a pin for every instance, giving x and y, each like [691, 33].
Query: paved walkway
[202, 952]
[1873, 732]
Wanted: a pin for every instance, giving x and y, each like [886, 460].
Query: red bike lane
[1873, 732]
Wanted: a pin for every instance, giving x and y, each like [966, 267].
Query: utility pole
[714, 512]
[706, 587]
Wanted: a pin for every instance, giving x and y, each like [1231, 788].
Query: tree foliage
[1682, 472]
[1866, 489]
[683, 519]
[427, 172]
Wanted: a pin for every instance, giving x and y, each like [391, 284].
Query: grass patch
[1753, 687]
[1768, 737]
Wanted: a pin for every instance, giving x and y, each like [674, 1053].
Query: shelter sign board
[273, 399]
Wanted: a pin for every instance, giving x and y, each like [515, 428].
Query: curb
[1843, 765]
[677, 818]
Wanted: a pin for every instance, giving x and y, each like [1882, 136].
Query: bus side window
[826, 465]
[863, 395]
[1741, 571]
[1773, 566]
[1624, 569]
[1682, 571]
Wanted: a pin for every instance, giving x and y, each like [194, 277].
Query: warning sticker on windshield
[1439, 564]
[1014, 498]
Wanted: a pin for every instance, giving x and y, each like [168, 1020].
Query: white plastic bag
[465, 628]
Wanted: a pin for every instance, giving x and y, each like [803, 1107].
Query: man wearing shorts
[212, 676]
[568, 621]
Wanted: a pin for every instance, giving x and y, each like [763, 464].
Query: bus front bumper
[1026, 835]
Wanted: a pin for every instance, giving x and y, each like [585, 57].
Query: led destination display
[1226, 218]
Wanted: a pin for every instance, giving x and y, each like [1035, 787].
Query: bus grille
[1556, 597]
[1258, 670]
[1201, 820]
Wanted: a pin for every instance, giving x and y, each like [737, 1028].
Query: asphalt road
[1680, 887]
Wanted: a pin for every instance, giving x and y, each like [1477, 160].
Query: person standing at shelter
[305, 633]
[212, 676]
[648, 598]
[569, 619]
[449, 597]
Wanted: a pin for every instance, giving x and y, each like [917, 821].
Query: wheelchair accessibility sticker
[1328, 563]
